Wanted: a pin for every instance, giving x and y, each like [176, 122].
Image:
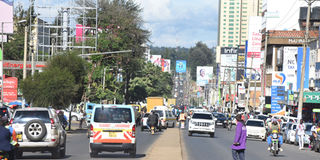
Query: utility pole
[263, 78]
[230, 91]
[248, 92]
[306, 36]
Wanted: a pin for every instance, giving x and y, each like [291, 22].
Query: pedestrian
[239, 143]
[313, 136]
[82, 118]
[300, 133]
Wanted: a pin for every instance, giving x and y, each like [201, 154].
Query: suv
[112, 129]
[202, 123]
[39, 129]
[221, 119]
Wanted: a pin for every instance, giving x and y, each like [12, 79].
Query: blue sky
[173, 22]
[181, 22]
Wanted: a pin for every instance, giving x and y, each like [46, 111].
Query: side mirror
[215, 119]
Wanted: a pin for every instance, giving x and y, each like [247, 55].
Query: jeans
[238, 154]
[279, 138]
[301, 141]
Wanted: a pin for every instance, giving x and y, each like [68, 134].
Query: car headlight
[193, 122]
[212, 123]
[274, 136]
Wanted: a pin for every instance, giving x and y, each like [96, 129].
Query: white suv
[39, 129]
[202, 123]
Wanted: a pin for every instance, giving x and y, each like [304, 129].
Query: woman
[300, 133]
[239, 144]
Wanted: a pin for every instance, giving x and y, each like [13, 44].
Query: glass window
[160, 112]
[113, 115]
[231, 16]
[255, 123]
[231, 20]
[231, 3]
[25, 116]
[201, 116]
[230, 24]
[230, 32]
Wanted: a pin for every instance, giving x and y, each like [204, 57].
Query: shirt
[300, 129]
[240, 137]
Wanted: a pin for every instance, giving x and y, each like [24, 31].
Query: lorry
[171, 102]
[154, 101]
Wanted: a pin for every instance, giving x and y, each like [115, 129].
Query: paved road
[77, 148]
[202, 147]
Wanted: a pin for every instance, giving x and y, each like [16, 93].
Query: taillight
[91, 127]
[11, 121]
[134, 131]
[91, 130]
[52, 123]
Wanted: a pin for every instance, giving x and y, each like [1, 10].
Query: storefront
[311, 106]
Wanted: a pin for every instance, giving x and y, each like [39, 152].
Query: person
[300, 133]
[182, 119]
[5, 138]
[82, 118]
[152, 120]
[313, 136]
[62, 119]
[274, 125]
[239, 143]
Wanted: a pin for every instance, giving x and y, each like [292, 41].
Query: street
[203, 147]
[78, 147]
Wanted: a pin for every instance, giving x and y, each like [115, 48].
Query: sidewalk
[166, 147]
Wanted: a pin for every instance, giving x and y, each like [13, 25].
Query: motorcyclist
[274, 126]
[13, 140]
[152, 120]
[5, 145]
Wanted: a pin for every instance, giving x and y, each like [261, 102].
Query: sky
[181, 22]
[174, 23]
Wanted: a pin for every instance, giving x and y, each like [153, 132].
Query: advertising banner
[10, 89]
[165, 65]
[204, 74]
[228, 58]
[299, 65]
[155, 60]
[6, 16]
[181, 66]
[277, 91]
[311, 97]
[290, 67]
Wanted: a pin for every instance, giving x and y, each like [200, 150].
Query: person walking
[300, 133]
[239, 143]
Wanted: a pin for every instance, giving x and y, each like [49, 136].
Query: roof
[32, 109]
[292, 34]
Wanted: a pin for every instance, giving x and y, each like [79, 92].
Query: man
[239, 143]
[5, 137]
[300, 133]
[274, 125]
[152, 120]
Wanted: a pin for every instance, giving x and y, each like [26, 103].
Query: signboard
[277, 94]
[165, 65]
[10, 89]
[228, 58]
[6, 16]
[19, 65]
[155, 60]
[181, 66]
[204, 74]
[290, 67]
[306, 74]
[311, 97]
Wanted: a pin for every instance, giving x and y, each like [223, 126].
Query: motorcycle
[152, 130]
[274, 148]
[4, 155]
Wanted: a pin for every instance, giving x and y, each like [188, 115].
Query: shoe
[280, 149]
[268, 148]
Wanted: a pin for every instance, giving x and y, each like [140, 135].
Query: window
[231, 12]
[231, 20]
[231, 7]
[230, 37]
[231, 16]
[230, 45]
[230, 28]
[113, 115]
[230, 24]
[231, 3]
[230, 41]
[230, 32]
[202, 116]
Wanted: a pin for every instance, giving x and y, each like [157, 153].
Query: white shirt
[313, 129]
[300, 129]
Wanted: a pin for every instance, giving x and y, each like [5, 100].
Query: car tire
[133, 152]
[63, 151]
[189, 133]
[93, 154]
[173, 124]
[212, 135]
[35, 130]
[142, 128]
[55, 154]
[74, 118]
[19, 154]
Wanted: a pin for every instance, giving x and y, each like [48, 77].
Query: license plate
[19, 137]
[112, 134]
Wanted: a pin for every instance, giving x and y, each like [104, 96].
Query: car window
[202, 116]
[308, 127]
[170, 114]
[113, 115]
[160, 112]
[255, 123]
[25, 116]
[3, 112]
[90, 107]
[146, 115]
[294, 127]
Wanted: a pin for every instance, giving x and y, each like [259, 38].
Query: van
[88, 110]
[166, 116]
[112, 129]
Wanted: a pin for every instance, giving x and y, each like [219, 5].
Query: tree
[59, 85]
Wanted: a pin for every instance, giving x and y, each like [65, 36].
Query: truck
[171, 102]
[154, 101]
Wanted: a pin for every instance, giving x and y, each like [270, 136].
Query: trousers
[238, 154]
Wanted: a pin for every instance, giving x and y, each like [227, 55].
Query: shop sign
[317, 110]
[311, 97]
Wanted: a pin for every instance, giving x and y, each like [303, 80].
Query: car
[285, 132]
[256, 128]
[166, 117]
[113, 128]
[307, 135]
[145, 119]
[202, 123]
[39, 129]
[291, 135]
[261, 117]
[221, 119]
[5, 111]
[74, 115]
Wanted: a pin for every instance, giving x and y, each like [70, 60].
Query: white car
[74, 115]
[256, 128]
[39, 129]
[292, 133]
[202, 123]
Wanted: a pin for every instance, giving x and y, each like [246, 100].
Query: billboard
[299, 66]
[155, 60]
[290, 67]
[6, 16]
[181, 66]
[165, 65]
[228, 58]
[204, 74]
[279, 80]
[10, 89]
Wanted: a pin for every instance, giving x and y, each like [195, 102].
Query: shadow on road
[120, 156]
[42, 157]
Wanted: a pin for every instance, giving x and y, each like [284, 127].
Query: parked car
[285, 132]
[307, 135]
[202, 123]
[74, 115]
[221, 119]
[113, 128]
[39, 129]
[256, 128]
[291, 135]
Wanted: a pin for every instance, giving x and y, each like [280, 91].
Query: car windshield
[255, 123]
[262, 117]
[221, 116]
[159, 112]
[113, 115]
[3, 112]
[308, 127]
[25, 116]
[201, 116]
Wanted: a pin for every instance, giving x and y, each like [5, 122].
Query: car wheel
[35, 130]
[93, 154]
[55, 154]
[173, 124]
[142, 128]
[74, 118]
[63, 151]
[133, 152]
[19, 154]
[189, 133]
[211, 135]
[224, 126]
